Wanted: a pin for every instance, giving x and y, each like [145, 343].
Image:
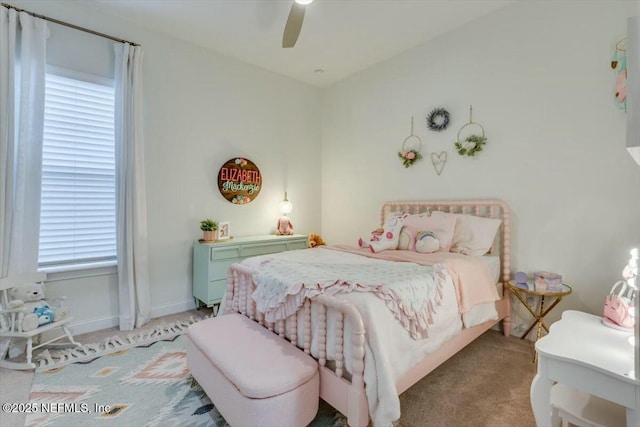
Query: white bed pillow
[441, 225]
[474, 235]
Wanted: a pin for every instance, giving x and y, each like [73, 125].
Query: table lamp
[285, 206]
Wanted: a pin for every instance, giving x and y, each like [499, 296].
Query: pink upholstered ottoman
[252, 376]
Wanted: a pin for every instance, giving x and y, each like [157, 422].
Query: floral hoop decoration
[409, 157]
[407, 154]
[438, 119]
[473, 143]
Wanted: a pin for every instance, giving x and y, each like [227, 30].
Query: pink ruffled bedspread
[471, 277]
[412, 292]
[411, 289]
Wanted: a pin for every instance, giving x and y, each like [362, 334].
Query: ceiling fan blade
[294, 25]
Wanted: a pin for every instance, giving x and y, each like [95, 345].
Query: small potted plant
[209, 229]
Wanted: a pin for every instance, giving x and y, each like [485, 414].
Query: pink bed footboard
[346, 391]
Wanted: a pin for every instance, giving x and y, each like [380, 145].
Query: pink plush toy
[284, 227]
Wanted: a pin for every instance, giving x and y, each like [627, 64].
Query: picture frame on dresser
[224, 230]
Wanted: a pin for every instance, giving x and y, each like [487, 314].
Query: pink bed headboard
[484, 208]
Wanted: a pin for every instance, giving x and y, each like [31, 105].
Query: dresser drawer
[217, 289]
[218, 270]
[225, 253]
[263, 248]
[299, 244]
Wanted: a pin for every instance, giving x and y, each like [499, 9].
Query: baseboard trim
[165, 310]
[97, 324]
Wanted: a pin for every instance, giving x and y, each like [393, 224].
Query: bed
[371, 344]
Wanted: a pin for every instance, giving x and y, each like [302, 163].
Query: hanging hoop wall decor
[411, 147]
[619, 64]
[473, 143]
[438, 119]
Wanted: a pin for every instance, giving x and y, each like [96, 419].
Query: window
[78, 217]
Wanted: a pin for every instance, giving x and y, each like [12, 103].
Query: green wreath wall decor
[438, 119]
[471, 145]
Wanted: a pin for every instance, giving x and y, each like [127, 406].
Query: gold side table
[542, 311]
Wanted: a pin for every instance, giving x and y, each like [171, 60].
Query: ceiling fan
[294, 22]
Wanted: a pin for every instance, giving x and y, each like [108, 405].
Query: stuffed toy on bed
[375, 236]
[316, 240]
[387, 237]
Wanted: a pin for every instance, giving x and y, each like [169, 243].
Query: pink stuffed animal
[284, 227]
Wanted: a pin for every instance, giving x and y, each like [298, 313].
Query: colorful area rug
[147, 385]
[50, 359]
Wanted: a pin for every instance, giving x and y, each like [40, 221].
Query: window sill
[67, 272]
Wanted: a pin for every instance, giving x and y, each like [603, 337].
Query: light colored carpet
[486, 384]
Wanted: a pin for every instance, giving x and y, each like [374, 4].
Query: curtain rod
[66, 24]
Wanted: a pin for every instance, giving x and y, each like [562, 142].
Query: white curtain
[22, 72]
[633, 88]
[131, 216]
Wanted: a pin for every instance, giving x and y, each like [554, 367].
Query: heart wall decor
[439, 160]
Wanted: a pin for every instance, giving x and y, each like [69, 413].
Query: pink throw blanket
[471, 277]
[411, 291]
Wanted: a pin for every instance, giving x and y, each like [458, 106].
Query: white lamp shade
[304, 2]
[285, 205]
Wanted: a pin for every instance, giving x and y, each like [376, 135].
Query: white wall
[201, 109]
[538, 77]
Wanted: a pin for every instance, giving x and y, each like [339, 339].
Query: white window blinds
[78, 217]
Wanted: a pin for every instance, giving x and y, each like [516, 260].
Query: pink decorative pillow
[438, 222]
[474, 235]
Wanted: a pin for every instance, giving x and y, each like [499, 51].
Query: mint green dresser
[212, 260]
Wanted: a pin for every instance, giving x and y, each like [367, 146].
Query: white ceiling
[340, 37]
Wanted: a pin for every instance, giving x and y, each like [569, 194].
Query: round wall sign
[239, 181]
